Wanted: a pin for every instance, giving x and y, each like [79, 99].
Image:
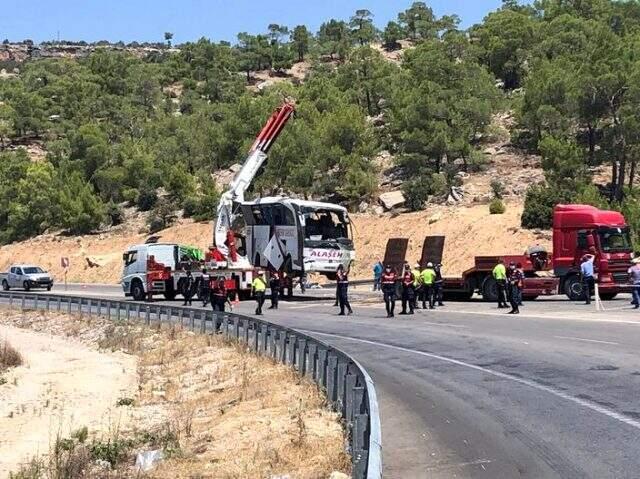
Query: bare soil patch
[216, 410]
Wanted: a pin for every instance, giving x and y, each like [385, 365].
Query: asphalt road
[467, 391]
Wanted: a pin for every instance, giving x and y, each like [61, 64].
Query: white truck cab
[148, 268]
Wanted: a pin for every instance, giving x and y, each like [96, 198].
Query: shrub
[147, 199]
[539, 203]
[115, 214]
[416, 192]
[497, 207]
[498, 189]
[9, 356]
[161, 217]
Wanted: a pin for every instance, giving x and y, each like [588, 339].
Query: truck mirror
[124, 256]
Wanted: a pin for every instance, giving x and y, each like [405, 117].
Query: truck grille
[620, 278]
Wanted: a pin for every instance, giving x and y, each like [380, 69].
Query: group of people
[413, 285]
[510, 283]
[259, 288]
[209, 289]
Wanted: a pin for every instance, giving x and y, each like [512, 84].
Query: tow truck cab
[582, 229]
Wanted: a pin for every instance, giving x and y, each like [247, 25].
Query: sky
[188, 20]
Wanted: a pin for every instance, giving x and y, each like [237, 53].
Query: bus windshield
[615, 239]
[326, 225]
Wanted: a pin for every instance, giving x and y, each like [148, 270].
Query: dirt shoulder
[215, 410]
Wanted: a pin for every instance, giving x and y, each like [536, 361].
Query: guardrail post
[341, 383]
[291, 349]
[10, 300]
[311, 360]
[90, 306]
[302, 356]
[68, 298]
[264, 347]
[48, 303]
[59, 303]
[128, 311]
[255, 336]
[192, 320]
[22, 303]
[109, 310]
[35, 302]
[118, 307]
[350, 385]
[225, 326]
[203, 322]
[138, 309]
[321, 368]
[80, 306]
[332, 370]
[271, 338]
[245, 331]
[99, 307]
[359, 461]
[236, 328]
[147, 315]
[360, 422]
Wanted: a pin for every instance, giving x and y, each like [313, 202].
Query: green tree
[301, 39]
[334, 38]
[392, 33]
[167, 38]
[362, 28]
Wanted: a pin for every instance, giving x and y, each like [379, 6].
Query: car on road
[27, 277]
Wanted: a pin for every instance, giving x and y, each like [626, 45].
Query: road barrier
[348, 387]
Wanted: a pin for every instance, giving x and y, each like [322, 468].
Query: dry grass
[9, 356]
[217, 409]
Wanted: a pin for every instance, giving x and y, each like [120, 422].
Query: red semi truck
[577, 230]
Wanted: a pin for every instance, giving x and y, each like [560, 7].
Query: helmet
[429, 264]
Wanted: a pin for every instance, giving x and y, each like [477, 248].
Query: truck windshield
[32, 270]
[615, 239]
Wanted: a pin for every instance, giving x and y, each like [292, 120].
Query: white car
[27, 277]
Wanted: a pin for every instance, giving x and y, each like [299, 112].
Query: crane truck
[275, 233]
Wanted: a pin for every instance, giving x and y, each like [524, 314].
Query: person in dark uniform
[188, 285]
[343, 290]
[408, 290]
[218, 294]
[275, 284]
[204, 287]
[438, 285]
[388, 282]
[516, 283]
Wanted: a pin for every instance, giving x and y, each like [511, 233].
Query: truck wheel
[26, 285]
[170, 295]
[490, 290]
[608, 296]
[573, 288]
[49, 286]
[5, 285]
[137, 291]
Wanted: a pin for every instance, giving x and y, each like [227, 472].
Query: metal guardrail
[348, 387]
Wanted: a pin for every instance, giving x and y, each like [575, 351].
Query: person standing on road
[428, 278]
[417, 287]
[438, 285]
[218, 294]
[388, 280]
[408, 291]
[586, 272]
[634, 278]
[516, 283]
[274, 286]
[204, 287]
[188, 284]
[378, 268]
[343, 291]
[258, 287]
[500, 276]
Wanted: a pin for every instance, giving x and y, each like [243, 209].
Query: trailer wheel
[137, 291]
[5, 285]
[490, 289]
[608, 296]
[573, 288]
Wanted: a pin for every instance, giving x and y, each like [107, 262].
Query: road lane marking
[532, 384]
[587, 340]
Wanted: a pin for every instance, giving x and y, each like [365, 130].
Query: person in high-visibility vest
[428, 277]
[417, 286]
[500, 276]
[258, 287]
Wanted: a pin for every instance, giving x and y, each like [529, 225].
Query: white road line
[587, 340]
[532, 384]
[542, 315]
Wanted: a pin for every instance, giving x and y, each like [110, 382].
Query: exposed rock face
[392, 199]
